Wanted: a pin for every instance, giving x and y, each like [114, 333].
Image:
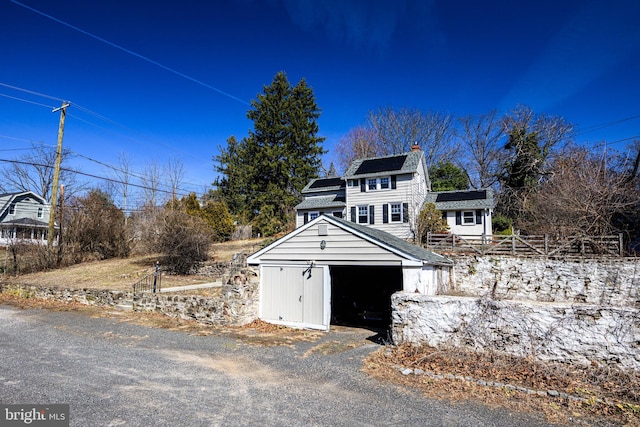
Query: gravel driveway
[116, 373]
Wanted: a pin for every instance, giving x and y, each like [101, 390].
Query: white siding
[470, 229]
[403, 193]
[327, 211]
[341, 248]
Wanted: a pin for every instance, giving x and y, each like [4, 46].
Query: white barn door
[294, 296]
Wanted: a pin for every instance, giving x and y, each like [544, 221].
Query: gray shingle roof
[331, 201]
[324, 184]
[461, 199]
[385, 164]
[396, 242]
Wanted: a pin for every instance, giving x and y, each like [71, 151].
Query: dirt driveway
[115, 372]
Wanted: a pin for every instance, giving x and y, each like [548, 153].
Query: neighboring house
[321, 197]
[23, 216]
[468, 213]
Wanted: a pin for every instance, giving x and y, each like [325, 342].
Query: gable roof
[7, 198]
[331, 201]
[374, 236]
[461, 199]
[374, 166]
[324, 184]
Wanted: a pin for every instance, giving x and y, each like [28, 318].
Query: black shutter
[363, 185]
[385, 213]
[405, 212]
[458, 218]
[306, 217]
[393, 182]
[353, 214]
[478, 216]
[372, 216]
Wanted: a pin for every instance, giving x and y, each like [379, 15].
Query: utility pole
[56, 174]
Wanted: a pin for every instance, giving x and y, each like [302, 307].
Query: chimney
[415, 147]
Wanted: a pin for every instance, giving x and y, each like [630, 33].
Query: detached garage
[334, 270]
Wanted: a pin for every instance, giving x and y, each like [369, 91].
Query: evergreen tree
[445, 176]
[263, 174]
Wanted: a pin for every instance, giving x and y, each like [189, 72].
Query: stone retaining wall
[573, 310]
[237, 305]
[604, 281]
[573, 333]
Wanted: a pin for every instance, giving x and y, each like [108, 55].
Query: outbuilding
[335, 271]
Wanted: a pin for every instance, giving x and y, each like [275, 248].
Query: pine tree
[264, 173]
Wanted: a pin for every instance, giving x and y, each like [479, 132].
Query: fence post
[621, 244]
[546, 244]
[155, 276]
[513, 244]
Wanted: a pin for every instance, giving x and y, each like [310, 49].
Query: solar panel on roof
[461, 195]
[327, 182]
[381, 165]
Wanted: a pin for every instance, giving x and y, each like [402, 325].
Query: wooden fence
[526, 245]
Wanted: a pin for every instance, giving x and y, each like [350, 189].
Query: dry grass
[609, 398]
[122, 273]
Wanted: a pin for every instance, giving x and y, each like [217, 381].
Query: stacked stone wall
[577, 311]
[237, 304]
[605, 281]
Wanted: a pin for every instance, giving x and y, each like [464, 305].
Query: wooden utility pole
[56, 174]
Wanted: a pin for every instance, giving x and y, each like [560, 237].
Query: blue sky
[168, 78]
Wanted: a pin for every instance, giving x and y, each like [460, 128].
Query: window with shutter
[363, 214]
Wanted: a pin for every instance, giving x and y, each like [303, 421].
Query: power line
[32, 92]
[130, 52]
[25, 100]
[144, 187]
[594, 128]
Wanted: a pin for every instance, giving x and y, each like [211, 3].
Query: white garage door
[295, 296]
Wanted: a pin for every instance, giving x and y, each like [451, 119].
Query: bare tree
[359, 143]
[174, 171]
[481, 135]
[587, 194]
[34, 172]
[123, 174]
[151, 182]
[397, 130]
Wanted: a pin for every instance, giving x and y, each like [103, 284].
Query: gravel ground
[116, 373]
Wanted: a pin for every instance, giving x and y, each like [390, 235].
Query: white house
[468, 213]
[388, 193]
[24, 216]
[321, 197]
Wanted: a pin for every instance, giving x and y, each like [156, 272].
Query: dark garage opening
[361, 296]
